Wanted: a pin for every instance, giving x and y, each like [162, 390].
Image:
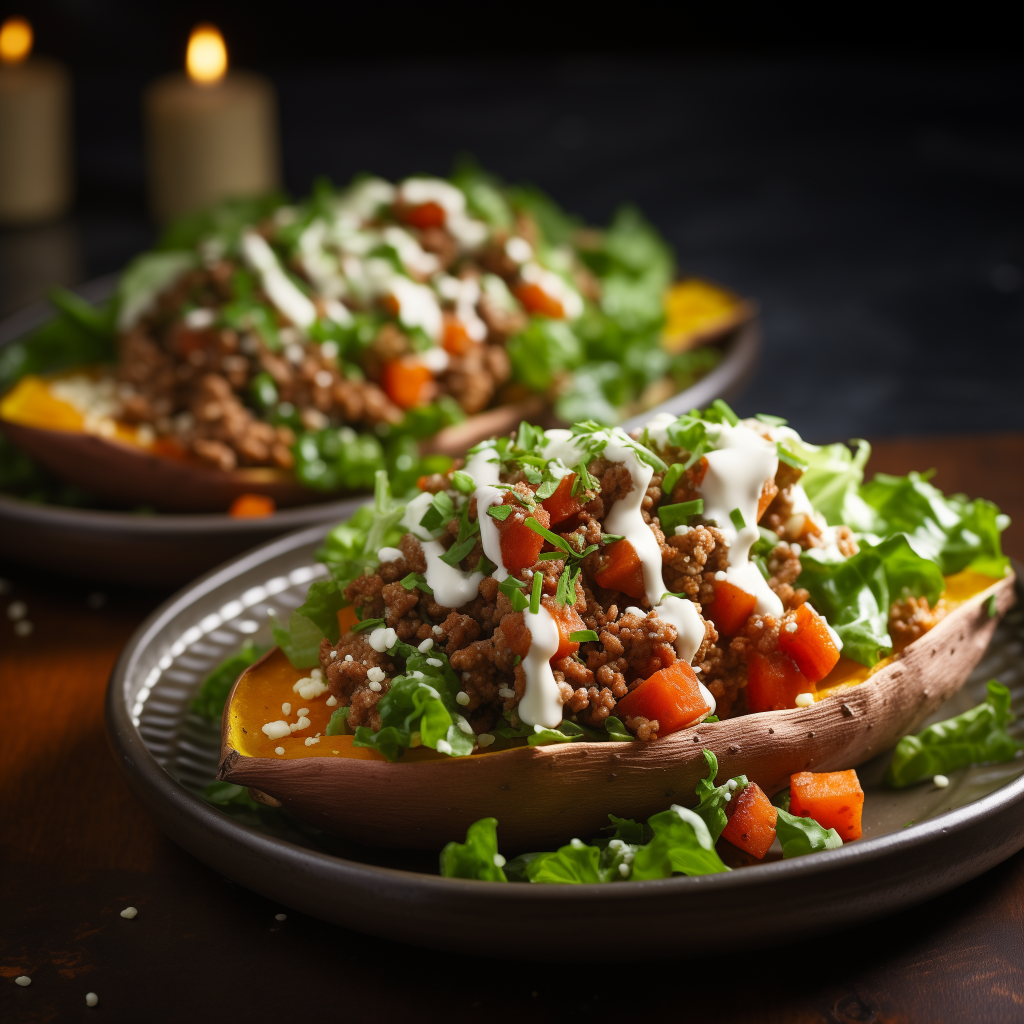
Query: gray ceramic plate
[917, 843]
[166, 550]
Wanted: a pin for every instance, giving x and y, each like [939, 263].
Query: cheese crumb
[312, 740]
[331, 701]
[425, 646]
[720, 577]
[302, 712]
[624, 870]
[790, 627]
[334, 654]
[443, 747]
[804, 700]
[286, 708]
[317, 673]
[375, 674]
[91, 999]
[435, 662]
[462, 698]
[23, 980]
[485, 739]
[275, 730]
[377, 640]
[278, 750]
[348, 657]
[128, 913]
[940, 781]
[280, 917]
[302, 723]
[437, 630]
[375, 686]
[464, 725]
[506, 693]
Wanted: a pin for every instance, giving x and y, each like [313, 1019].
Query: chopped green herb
[499, 512]
[485, 565]
[552, 538]
[737, 519]
[511, 588]
[583, 636]
[457, 552]
[789, 458]
[463, 482]
[414, 579]
[439, 514]
[671, 478]
[366, 624]
[993, 607]
[726, 412]
[672, 516]
[772, 421]
[538, 584]
[611, 538]
[546, 489]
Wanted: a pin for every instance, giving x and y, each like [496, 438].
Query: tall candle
[212, 134]
[35, 130]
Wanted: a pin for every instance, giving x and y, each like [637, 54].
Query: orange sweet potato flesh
[404, 381]
[536, 300]
[252, 506]
[620, 569]
[520, 546]
[773, 681]
[810, 645]
[671, 696]
[561, 505]
[730, 609]
[346, 619]
[768, 492]
[751, 824]
[832, 799]
[456, 338]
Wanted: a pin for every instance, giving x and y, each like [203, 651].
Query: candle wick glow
[207, 57]
[15, 40]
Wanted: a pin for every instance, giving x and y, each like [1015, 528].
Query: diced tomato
[774, 680]
[768, 492]
[421, 483]
[671, 696]
[536, 300]
[520, 546]
[752, 819]
[252, 506]
[405, 382]
[562, 504]
[810, 645]
[347, 618]
[568, 621]
[426, 215]
[730, 608]
[620, 569]
[456, 338]
[832, 799]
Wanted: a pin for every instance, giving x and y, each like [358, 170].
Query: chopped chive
[457, 552]
[519, 658]
[672, 516]
[789, 458]
[551, 538]
[551, 556]
[993, 608]
[485, 565]
[463, 482]
[562, 591]
[611, 538]
[499, 512]
[727, 414]
[758, 560]
[538, 583]
[675, 471]
[737, 519]
[582, 636]
[414, 580]
[772, 421]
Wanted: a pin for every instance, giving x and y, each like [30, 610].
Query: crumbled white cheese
[91, 999]
[316, 674]
[941, 781]
[499, 861]
[462, 698]
[334, 654]
[348, 657]
[302, 711]
[378, 640]
[727, 797]
[128, 913]
[506, 693]
[425, 646]
[731, 785]
[804, 700]
[437, 630]
[444, 747]
[720, 577]
[375, 686]
[390, 638]
[485, 739]
[23, 980]
[389, 555]
[286, 708]
[790, 627]
[278, 750]
[624, 870]
[302, 723]
[435, 662]
[275, 730]
[310, 740]
[464, 725]
[375, 674]
[310, 689]
[331, 701]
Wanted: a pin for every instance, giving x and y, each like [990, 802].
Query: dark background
[860, 177]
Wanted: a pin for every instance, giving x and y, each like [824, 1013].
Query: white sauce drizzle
[708, 699]
[483, 467]
[452, 587]
[683, 614]
[280, 289]
[417, 306]
[542, 701]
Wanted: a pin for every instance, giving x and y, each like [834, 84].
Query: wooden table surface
[76, 849]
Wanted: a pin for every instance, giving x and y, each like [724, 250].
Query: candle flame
[207, 57]
[15, 40]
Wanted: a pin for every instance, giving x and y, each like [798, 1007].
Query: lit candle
[35, 123]
[212, 135]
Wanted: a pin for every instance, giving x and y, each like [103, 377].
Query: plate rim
[146, 777]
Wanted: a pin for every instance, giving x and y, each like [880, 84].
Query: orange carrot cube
[832, 799]
[751, 824]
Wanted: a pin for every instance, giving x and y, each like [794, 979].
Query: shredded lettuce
[209, 702]
[800, 836]
[478, 857]
[977, 736]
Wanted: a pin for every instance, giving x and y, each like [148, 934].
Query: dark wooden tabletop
[76, 849]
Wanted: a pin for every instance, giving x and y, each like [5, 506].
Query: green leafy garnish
[671, 516]
[416, 580]
[499, 512]
[439, 514]
[800, 836]
[737, 519]
[463, 482]
[789, 458]
[671, 478]
[478, 857]
[538, 584]
[582, 636]
[977, 736]
[723, 409]
[209, 702]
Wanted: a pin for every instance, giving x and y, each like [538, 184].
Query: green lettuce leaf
[832, 481]
[478, 856]
[209, 702]
[682, 843]
[300, 641]
[855, 594]
[977, 736]
[800, 836]
[713, 799]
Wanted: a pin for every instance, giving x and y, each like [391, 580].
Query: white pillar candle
[211, 134]
[35, 130]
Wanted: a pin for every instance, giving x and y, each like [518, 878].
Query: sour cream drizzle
[280, 289]
[542, 701]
